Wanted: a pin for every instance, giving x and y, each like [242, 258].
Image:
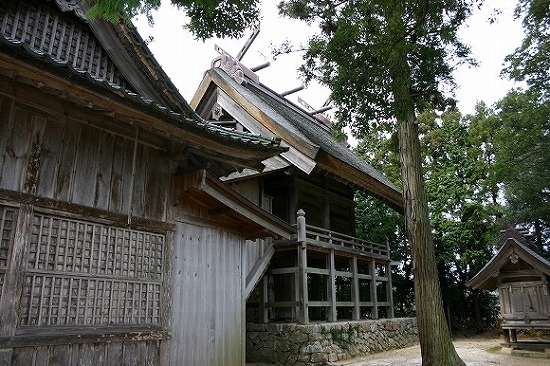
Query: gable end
[65, 38]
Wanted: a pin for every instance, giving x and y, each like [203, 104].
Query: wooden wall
[525, 303]
[85, 246]
[207, 310]
[52, 150]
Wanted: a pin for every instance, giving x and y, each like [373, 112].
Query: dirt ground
[474, 352]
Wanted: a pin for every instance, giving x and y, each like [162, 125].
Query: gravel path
[475, 352]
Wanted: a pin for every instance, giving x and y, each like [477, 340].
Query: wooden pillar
[390, 292]
[332, 316]
[302, 268]
[355, 290]
[513, 335]
[506, 336]
[373, 295]
[264, 315]
[302, 280]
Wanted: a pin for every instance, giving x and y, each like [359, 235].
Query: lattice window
[80, 273]
[8, 216]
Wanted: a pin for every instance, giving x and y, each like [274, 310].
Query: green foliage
[531, 61]
[206, 18]
[462, 216]
[352, 50]
[523, 157]
[458, 154]
[516, 135]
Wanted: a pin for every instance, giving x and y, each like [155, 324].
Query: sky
[185, 59]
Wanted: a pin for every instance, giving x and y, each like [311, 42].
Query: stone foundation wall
[323, 344]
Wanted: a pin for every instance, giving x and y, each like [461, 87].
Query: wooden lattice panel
[8, 217]
[80, 273]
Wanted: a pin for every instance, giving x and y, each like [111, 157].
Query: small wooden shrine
[521, 276]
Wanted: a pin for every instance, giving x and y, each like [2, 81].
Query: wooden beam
[355, 290]
[258, 270]
[332, 315]
[373, 295]
[302, 276]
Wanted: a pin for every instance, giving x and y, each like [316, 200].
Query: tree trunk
[435, 338]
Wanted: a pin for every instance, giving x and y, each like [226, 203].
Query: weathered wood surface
[525, 304]
[62, 275]
[207, 321]
[71, 159]
[109, 353]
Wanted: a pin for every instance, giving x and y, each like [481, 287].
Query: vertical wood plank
[332, 315]
[389, 285]
[140, 177]
[23, 356]
[86, 167]
[157, 186]
[85, 353]
[302, 274]
[18, 146]
[104, 171]
[114, 354]
[42, 355]
[61, 355]
[131, 353]
[69, 143]
[14, 277]
[35, 151]
[120, 174]
[355, 289]
[154, 349]
[6, 125]
[167, 294]
[50, 157]
[373, 294]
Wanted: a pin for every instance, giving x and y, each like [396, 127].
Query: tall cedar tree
[385, 61]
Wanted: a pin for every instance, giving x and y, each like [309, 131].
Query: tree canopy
[356, 41]
[531, 60]
[386, 61]
[206, 18]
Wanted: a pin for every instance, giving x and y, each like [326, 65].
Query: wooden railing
[319, 236]
[323, 237]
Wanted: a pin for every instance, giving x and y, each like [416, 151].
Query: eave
[230, 209]
[293, 137]
[389, 194]
[486, 278]
[40, 72]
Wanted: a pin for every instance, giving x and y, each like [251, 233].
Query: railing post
[302, 266]
[332, 315]
[356, 297]
[390, 292]
[301, 221]
[373, 294]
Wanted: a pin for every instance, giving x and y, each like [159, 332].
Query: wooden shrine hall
[521, 276]
[324, 275]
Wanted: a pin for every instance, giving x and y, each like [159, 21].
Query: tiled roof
[511, 243]
[315, 139]
[63, 56]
